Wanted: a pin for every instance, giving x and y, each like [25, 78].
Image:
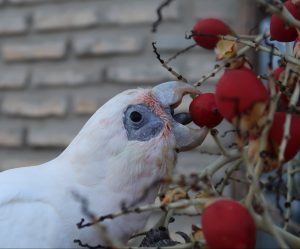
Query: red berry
[207, 30]
[279, 30]
[237, 91]
[228, 224]
[276, 135]
[204, 111]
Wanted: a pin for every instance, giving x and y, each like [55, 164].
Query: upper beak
[170, 95]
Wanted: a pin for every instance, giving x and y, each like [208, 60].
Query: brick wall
[61, 59]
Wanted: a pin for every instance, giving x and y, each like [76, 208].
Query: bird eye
[136, 117]
[141, 123]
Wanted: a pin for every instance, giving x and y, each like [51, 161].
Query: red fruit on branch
[279, 30]
[276, 135]
[204, 111]
[206, 31]
[241, 97]
[271, 160]
[228, 224]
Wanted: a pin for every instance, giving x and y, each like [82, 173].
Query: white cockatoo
[127, 145]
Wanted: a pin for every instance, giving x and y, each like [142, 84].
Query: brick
[16, 158]
[206, 9]
[60, 19]
[13, 78]
[87, 101]
[137, 12]
[65, 76]
[34, 51]
[108, 45]
[34, 106]
[53, 134]
[86, 104]
[10, 136]
[138, 74]
[12, 24]
[25, 2]
[196, 66]
[172, 42]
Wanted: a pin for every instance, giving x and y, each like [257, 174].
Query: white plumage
[112, 160]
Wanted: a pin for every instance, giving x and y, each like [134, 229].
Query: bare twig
[159, 15]
[177, 75]
[214, 134]
[288, 202]
[146, 208]
[227, 62]
[279, 10]
[179, 53]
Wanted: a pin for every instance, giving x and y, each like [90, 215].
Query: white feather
[37, 209]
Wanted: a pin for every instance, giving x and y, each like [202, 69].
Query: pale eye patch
[141, 123]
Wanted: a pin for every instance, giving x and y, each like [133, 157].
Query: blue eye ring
[141, 123]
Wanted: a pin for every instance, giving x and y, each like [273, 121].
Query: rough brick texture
[11, 136]
[72, 76]
[53, 134]
[61, 60]
[34, 105]
[137, 12]
[136, 73]
[13, 78]
[108, 45]
[34, 51]
[57, 19]
[12, 25]
[90, 99]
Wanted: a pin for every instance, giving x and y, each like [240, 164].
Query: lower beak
[170, 95]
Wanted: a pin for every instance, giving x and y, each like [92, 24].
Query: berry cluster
[264, 113]
[242, 98]
[246, 102]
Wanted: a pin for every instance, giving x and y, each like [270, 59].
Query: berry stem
[225, 63]
[292, 240]
[214, 134]
[287, 124]
[258, 167]
[228, 172]
[288, 205]
[255, 44]
[280, 11]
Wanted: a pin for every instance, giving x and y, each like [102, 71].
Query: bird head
[135, 134]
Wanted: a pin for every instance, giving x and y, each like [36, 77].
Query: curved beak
[170, 96]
